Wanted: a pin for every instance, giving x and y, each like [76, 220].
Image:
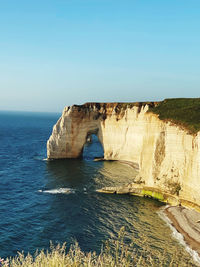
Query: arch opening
[92, 148]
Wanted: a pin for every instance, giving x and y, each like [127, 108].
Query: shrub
[114, 253]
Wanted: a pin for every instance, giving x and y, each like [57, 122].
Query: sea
[43, 201]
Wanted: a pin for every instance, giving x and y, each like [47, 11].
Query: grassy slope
[184, 112]
[114, 253]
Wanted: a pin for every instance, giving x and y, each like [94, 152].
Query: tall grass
[114, 253]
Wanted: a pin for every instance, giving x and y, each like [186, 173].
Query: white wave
[58, 191]
[178, 236]
[47, 159]
[84, 190]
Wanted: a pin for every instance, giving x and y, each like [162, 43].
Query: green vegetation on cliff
[184, 112]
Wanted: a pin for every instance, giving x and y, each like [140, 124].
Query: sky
[55, 53]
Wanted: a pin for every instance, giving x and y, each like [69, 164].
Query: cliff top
[122, 105]
[184, 112]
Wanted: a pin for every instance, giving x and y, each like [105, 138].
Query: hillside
[182, 111]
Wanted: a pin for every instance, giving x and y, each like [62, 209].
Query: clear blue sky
[55, 53]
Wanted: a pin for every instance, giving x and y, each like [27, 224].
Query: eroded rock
[168, 158]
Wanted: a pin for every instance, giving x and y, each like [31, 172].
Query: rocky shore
[185, 219]
[187, 222]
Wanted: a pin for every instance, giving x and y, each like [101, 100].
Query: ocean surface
[43, 201]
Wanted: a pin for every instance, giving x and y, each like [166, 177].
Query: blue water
[34, 209]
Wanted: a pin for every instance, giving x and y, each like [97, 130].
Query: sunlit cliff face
[167, 156]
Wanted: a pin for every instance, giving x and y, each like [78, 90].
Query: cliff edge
[161, 138]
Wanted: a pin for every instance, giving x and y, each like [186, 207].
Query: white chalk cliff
[167, 156]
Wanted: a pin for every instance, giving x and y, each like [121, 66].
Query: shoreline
[187, 223]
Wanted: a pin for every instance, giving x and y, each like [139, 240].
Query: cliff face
[167, 156]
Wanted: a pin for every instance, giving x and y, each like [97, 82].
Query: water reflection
[91, 217]
[77, 173]
[115, 173]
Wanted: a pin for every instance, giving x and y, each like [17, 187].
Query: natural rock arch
[92, 148]
[72, 130]
[132, 133]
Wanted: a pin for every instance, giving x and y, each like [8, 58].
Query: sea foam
[178, 236]
[61, 190]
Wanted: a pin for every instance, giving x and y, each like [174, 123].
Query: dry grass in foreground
[115, 253]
